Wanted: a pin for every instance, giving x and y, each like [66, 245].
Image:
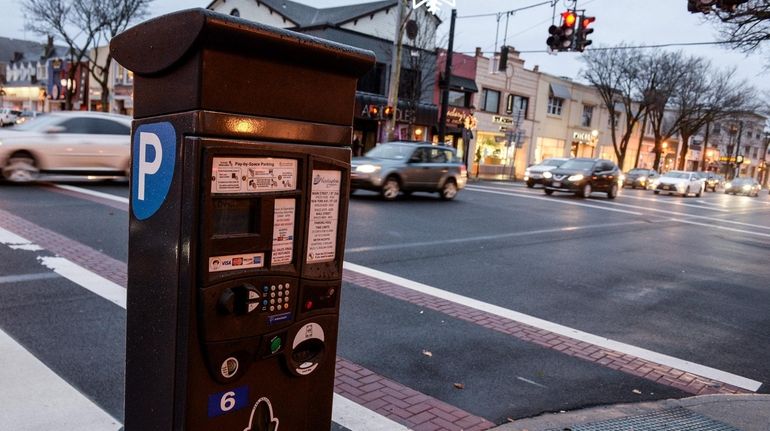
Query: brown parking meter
[239, 197]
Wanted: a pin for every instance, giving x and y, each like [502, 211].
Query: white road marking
[659, 358]
[16, 242]
[673, 202]
[63, 405]
[487, 237]
[357, 417]
[93, 193]
[87, 279]
[27, 277]
[531, 382]
[36, 398]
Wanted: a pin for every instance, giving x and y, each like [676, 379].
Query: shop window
[588, 114]
[373, 81]
[459, 99]
[555, 105]
[490, 100]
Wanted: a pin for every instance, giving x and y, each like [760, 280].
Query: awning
[463, 84]
[560, 91]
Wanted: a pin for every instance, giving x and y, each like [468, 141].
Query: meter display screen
[236, 216]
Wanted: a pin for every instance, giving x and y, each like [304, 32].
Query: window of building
[756, 153]
[717, 129]
[588, 115]
[459, 99]
[490, 100]
[374, 80]
[555, 105]
[517, 104]
[617, 120]
[410, 84]
[235, 12]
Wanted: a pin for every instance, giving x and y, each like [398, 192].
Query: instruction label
[324, 214]
[236, 261]
[283, 232]
[253, 175]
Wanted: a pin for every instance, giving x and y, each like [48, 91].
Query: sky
[635, 22]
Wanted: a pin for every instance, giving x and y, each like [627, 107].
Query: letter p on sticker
[148, 167]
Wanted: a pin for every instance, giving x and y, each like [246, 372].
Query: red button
[308, 305]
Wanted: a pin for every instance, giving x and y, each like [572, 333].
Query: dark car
[584, 176]
[393, 167]
[712, 181]
[639, 177]
[743, 186]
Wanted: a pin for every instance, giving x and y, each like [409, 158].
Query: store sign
[499, 119]
[455, 116]
[582, 136]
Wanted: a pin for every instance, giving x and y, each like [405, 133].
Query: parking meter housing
[239, 198]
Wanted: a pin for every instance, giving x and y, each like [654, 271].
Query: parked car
[71, 143]
[743, 186]
[393, 167]
[26, 116]
[639, 177]
[8, 116]
[534, 174]
[680, 182]
[584, 176]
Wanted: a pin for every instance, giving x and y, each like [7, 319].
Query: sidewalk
[705, 412]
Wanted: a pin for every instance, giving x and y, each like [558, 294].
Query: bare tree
[615, 73]
[745, 28]
[75, 22]
[117, 15]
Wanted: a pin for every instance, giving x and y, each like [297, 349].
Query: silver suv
[393, 167]
[8, 116]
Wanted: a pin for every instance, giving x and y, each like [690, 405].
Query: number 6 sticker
[228, 401]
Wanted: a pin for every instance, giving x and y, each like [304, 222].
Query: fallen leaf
[637, 391]
[427, 353]
[459, 386]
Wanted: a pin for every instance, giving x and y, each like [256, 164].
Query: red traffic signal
[568, 19]
[374, 111]
[387, 112]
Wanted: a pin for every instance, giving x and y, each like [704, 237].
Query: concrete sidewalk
[709, 412]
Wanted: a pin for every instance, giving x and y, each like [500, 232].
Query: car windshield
[552, 162]
[38, 124]
[391, 151]
[675, 174]
[741, 181]
[639, 172]
[578, 164]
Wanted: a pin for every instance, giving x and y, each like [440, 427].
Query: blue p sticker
[228, 401]
[154, 156]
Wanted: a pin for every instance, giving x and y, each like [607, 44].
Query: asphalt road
[686, 278]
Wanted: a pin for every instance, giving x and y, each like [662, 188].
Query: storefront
[499, 147]
[549, 147]
[414, 122]
[584, 143]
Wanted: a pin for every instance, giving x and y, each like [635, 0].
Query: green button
[275, 344]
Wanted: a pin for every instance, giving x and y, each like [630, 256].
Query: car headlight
[728, 185]
[527, 172]
[576, 177]
[547, 174]
[747, 187]
[642, 179]
[367, 169]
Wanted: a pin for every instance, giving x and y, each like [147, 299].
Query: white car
[8, 116]
[66, 143]
[534, 174]
[680, 182]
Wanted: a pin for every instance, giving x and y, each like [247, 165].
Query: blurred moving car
[8, 116]
[393, 167]
[26, 116]
[639, 177]
[584, 176]
[680, 182]
[743, 186]
[534, 174]
[713, 181]
[71, 143]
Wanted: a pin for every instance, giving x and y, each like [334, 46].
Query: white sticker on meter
[236, 261]
[324, 215]
[283, 232]
[252, 175]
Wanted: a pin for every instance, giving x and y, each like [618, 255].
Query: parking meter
[238, 211]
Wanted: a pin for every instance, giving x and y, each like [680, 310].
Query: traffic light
[562, 37]
[387, 112]
[503, 59]
[581, 37]
[374, 111]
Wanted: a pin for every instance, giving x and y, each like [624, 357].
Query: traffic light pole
[447, 80]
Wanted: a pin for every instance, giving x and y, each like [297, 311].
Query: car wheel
[390, 189]
[612, 193]
[21, 168]
[530, 184]
[586, 191]
[700, 192]
[449, 191]
[549, 192]
[686, 192]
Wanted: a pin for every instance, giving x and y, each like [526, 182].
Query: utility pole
[395, 71]
[447, 79]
